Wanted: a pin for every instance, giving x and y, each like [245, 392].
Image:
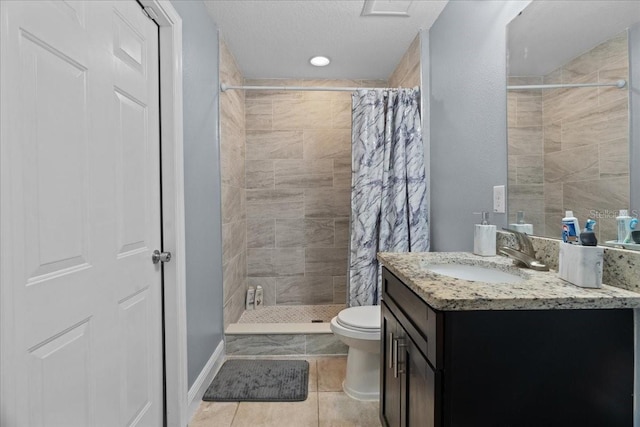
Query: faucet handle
[523, 240]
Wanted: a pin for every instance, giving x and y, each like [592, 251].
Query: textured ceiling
[275, 39]
[550, 33]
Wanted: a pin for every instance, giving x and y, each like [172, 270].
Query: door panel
[391, 385]
[81, 306]
[60, 380]
[421, 384]
[59, 233]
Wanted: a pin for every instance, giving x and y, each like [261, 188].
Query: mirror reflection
[568, 146]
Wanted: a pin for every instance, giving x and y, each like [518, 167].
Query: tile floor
[326, 405]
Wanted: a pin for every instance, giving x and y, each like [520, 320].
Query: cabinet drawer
[423, 320]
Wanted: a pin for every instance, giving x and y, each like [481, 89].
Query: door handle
[391, 362]
[396, 369]
[158, 256]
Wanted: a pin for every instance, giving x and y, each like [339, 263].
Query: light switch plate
[499, 199]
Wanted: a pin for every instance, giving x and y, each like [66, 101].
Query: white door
[80, 215]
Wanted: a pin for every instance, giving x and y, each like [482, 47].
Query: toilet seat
[362, 319]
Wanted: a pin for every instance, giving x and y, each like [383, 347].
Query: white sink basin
[474, 273]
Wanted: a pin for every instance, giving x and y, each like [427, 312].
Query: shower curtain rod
[619, 84]
[224, 87]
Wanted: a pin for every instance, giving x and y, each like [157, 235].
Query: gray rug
[260, 381]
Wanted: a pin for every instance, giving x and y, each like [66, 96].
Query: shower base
[285, 330]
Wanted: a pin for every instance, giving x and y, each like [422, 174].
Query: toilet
[359, 328]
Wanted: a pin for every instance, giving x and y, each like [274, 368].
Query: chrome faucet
[524, 256]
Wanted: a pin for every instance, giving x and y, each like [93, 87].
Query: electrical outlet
[499, 203]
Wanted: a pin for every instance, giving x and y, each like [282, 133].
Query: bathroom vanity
[535, 352]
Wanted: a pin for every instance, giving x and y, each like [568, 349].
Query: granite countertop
[541, 290]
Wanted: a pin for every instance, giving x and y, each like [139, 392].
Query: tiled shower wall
[232, 147]
[298, 181]
[407, 72]
[569, 148]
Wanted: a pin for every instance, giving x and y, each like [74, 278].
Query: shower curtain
[388, 186]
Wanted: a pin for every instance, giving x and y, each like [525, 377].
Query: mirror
[568, 147]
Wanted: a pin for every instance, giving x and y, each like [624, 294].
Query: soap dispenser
[484, 237]
[520, 224]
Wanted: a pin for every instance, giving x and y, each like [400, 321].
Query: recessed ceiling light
[320, 61]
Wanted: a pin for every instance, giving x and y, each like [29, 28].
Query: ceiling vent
[399, 8]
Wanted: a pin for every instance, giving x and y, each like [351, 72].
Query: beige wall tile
[327, 203]
[323, 261]
[339, 289]
[304, 181]
[342, 232]
[234, 275]
[233, 204]
[234, 236]
[258, 106]
[277, 195]
[301, 114]
[403, 76]
[341, 114]
[529, 111]
[576, 164]
[327, 144]
[553, 203]
[552, 137]
[611, 167]
[232, 163]
[259, 174]
[263, 145]
[302, 167]
[271, 95]
[275, 262]
[304, 233]
[526, 140]
[615, 148]
[259, 121]
[234, 307]
[342, 164]
[304, 290]
[276, 210]
[261, 233]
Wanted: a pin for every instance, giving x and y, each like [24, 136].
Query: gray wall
[202, 184]
[634, 111]
[468, 117]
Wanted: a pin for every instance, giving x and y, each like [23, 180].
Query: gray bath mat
[260, 381]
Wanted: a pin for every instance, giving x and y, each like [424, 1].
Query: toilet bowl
[359, 328]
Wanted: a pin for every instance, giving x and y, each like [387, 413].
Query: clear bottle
[624, 221]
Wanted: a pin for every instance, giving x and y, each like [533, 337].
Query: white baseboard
[204, 379]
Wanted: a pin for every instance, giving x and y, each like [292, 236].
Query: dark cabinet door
[420, 388]
[390, 386]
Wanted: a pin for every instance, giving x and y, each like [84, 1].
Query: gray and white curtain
[388, 186]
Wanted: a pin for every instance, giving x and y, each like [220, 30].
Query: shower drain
[317, 321]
